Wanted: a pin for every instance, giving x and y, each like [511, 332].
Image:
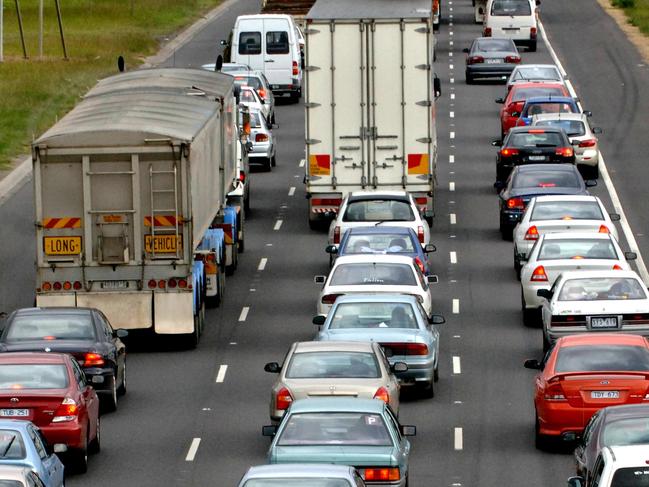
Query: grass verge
[637, 11]
[36, 91]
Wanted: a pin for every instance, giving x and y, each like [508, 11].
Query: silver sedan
[262, 149]
[302, 475]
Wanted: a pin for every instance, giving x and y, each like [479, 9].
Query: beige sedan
[333, 369]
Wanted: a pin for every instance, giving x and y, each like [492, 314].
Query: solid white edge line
[244, 313]
[220, 375]
[193, 448]
[457, 441]
[456, 306]
[453, 218]
[262, 264]
[278, 225]
[453, 256]
[291, 191]
[604, 174]
[457, 366]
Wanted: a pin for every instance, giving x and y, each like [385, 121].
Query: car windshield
[566, 210]
[324, 365]
[511, 7]
[374, 274]
[51, 326]
[601, 289]
[378, 210]
[536, 139]
[33, 376]
[11, 445]
[373, 315]
[584, 358]
[297, 482]
[546, 179]
[247, 96]
[536, 73]
[631, 477]
[547, 107]
[335, 429]
[628, 431]
[525, 93]
[494, 45]
[378, 244]
[577, 249]
[574, 128]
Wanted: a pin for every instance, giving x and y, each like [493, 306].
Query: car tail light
[513, 59]
[564, 151]
[646, 397]
[475, 60]
[487, 32]
[262, 93]
[57, 286]
[604, 229]
[636, 319]
[435, 6]
[261, 137]
[382, 394]
[46, 286]
[539, 275]
[92, 359]
[66, 411]
[568, 320]
[616, 267]
[330, 298]
[242, 176]
[295, 68]
[382, 474]
[515, 204]
[152, 283]
[554, 392]
[77, 285]
[162, 284]
[588, 143]
[283, 399]
[406, 348]
[532, 233]
[336, 234]
[420, 264]
[420, 234]
[172, 283]
[533, 33]
[182, 283]
[508, 152]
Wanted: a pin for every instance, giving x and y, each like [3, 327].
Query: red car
[582, 374]
[50, 390]
[513, 103]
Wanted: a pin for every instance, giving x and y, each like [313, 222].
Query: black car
[614, 425]
[532, 145]
[527, 181]
[85, 333]
[491, 57]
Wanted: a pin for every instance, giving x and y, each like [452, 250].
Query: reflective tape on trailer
[163, 220]
[65, 222]
[324, 210]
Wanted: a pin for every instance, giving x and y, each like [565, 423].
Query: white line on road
[278, 225]
[450, 66]
[457, 442]
[451, 186]
[244, 313]
[291, 191]
[457, 367]
[262, 264]
[220, 375]
[193, 448]
[453, 218]
[452, 96]
[456, 306]
[452, 114]
[452, 135]
[301, 162]
[450, 54]
[451, 159]
[453, 255]
[452, 80]
[450, 32]
[450, 43]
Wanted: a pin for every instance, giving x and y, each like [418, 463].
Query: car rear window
[33, 376]
[277, 42]
[378, 244]
[546, 179]
[373, 315]
[631, 477]
[55, 326]
[628, 431]
[545, 139]
[297, 482]
[248, 81]
[601, 289]
[247, 96]
[249, 43]
[596, 358]
[384, 210]
[566, 210]
[548, 107]
[511, 7]
[494, 45]
[335, 429]
[524, 93]
[338, 365]
[373, 274]
[536, 73]
[12, 446]
[573, 128]
[577, 249]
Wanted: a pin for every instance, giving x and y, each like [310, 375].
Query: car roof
[337, 404]
[375, 298]
[551, 168]
[537, 84]
[629, 455]
[361, 195]
[381, 229]
[602, 339]
[54, 310]
[534, 66]
[14, 472]
[576, 235]
[601, 273]
[379, 258]
[566, 198]
[491, 39]
[32, 358]
[297, 470]
[532, 129]
[561, 116]
[550, 99]
[626, 411]
[326, 346]
[20, 424]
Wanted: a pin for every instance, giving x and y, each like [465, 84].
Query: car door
[277, 57]
[52, 473]
[118, 352]
[582, 450]
[90, 401]
[594, 478]
[402, 441]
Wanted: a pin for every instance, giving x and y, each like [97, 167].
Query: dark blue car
[380, 239]
[547, 104]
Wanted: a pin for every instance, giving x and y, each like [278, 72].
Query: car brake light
[515, 204]
[533, 33]
[382, 394]
[420, 264]
[565, 151]
[475, 60]
[406, 348]
[242, 176]
[554, 393]
[67, 411]
[420, 234]
[532, 233]
[336, 234]
[382, 474]
[261, 137]
[295, 68]
[487, 32]
[283, 399]
[539, 275]
[616, 267]
[604, 229]
[508, 152]
[547, 185]
[513, 59]
[92, 359]
[330, 298]
[588, 143]
[262, 93]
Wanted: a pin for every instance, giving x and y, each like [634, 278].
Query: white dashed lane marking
[451, 159]
[453, 218]
[453, 256]
[452, 135]
[457, 367]
[193, 448]
[457, 440]
[220, 375]
[452, 114]
[451, 186]
[262, 264]
[278, 225]
[456, 306]
[291, 191]
[244, 313]
[301, 162]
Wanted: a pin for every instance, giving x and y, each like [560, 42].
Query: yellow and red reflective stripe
[65, 222]
[163, 221]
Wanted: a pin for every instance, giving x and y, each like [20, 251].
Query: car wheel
[436, 374]
[79, 457]
[428, 389]
[540, 441]
[530, 317]
[517, 265]
[121, 390]
[533, 46]
[506, 231]
[273, 160]
[241, 243]
[469, 79]
[272, 118]
[315, 225]
[268, 165]
[95, 445]
[110, 400]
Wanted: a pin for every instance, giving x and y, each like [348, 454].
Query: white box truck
[131, 199]
[370, 102]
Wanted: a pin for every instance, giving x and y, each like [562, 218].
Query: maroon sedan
[50, 390]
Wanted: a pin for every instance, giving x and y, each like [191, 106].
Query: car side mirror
[399, 367]
[408, 430]
[590, 183]
[596, 130]
[465, 50]
[615, 217]
[319, 279]
[273, 368]
[538, 3]
[59, 448]
[576, 482]
[496, 142]
[432, 279]
[331, 249]
[532, 363]
[120, 333]
[263, 102]
[630, 255]
[516, 114]
[544, 293]
[499, 185]
[319, 320]
[437, 87]
[430, 248]
[224, 42]
[269, 430]
[436, 320]
[499, 100]
[588, 113]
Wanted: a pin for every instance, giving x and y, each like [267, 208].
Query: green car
[363, 433]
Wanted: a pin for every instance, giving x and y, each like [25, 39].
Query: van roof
[370, 9]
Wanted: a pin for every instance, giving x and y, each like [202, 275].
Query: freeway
[194, 418]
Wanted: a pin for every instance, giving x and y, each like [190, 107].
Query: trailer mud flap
[174, 312]
[124, 310]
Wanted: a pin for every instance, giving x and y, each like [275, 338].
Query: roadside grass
[35, 92]
[637, 12]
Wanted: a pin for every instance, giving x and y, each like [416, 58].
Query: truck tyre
[95, 445]
[241, 241]
[121, 390]
[109, 400]
[268, 164]
[229, 270]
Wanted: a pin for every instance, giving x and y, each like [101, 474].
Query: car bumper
[259, 151]
[558, 418]
[489, 70]
[510, 217]
[419, 370]
[587, 158]
[100, 379]
[69, 433]
[284, 90]
[532, 301]
[553, 334]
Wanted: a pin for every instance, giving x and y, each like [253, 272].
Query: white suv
[513, 19]
[617, 466]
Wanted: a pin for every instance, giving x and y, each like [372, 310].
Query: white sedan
[372, 208]
[374, 274]
[555, 253]
[594, 301]
[560, 213]
[248, 96]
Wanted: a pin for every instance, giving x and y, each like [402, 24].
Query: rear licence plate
[14, 413]
[494, 61]
[162, 244]
[62, 245]
[603, 322]
[605, 394]
[114, 284]
[537, 158]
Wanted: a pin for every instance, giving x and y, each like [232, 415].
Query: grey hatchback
[491, 57]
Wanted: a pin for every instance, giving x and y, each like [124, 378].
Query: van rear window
[250, 43]
[277, 42]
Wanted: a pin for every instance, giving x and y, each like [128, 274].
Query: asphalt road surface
[194, 418]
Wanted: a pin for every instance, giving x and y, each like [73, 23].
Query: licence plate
[274, 87]
[14, 413]
[162, 244]
[494, 61]
[62, 245]
[114, 284]
[605, 394]
[536, 158]
[603, 322]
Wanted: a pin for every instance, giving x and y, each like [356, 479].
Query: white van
[514, 19]
[269, 43]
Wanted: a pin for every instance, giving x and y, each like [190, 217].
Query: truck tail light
[382, 394]
[283, 399]
[162, 284]
[182, 283]
[66, 411]
[172, 283]
[152, 284]
[330, 298]
[539, 275]
[337, 234]
[295, 69]
[381, 474]
[46, 286]
[515, 204]
[532, 233]
[420, 234]
[261, 138]
[77, 285]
